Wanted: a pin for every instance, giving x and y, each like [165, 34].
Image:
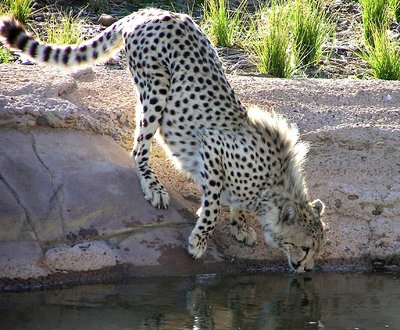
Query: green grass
[383, 57]
[269, 41]
[382, 53]
[288, 36]
[21, 9]
[311, 30]
[65, 30]
[375, 17]
[5, 55]
[221, 25]
[395, 9]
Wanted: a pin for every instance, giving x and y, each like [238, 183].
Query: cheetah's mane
[291, 151]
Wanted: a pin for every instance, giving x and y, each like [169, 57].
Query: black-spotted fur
[248, 159]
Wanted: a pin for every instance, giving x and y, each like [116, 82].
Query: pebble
[388, 97]
[115, 60]
[39, 18]
[338, 203]
[41, 121]
[352, 197]
[31, 123]
[107, 20]
[27, 61]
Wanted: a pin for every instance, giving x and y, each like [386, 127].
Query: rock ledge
[71, 204]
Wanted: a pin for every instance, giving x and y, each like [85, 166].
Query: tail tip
[10, 28]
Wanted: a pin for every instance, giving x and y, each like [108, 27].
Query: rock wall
[354, 162]
[71, 205]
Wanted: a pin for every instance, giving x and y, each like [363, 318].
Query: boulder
[74, 199]
[71, 204]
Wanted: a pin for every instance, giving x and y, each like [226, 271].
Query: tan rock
[107, 20]
[66, 182]
[84, 256]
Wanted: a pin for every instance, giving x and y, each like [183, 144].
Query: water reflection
[258, 303]
[319, 301]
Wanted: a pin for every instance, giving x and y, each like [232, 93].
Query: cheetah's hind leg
[239, 228]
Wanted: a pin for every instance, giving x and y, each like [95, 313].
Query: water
[316, 301]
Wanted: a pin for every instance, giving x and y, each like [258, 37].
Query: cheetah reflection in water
[246, 158]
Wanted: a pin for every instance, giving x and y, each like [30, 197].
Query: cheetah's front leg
[148, 118]
[206, 223]
[210, 207]
[240, 229]
[153, 190]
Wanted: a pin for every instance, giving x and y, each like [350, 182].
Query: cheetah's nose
[295, 265]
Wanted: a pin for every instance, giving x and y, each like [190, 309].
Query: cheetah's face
[299, 234]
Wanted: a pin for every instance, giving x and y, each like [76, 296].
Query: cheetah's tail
[104, 45]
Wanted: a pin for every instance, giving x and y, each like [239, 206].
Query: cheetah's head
[299, 232]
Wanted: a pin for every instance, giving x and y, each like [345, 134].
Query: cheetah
[246, 158]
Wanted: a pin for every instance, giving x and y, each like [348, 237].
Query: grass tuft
[395, 9]
[269, 40]
[311, 30]
[383, 57]
[20, 9]
[221, 25]
[287, 36]
[5, 55]
[65, 30]
[375, 17]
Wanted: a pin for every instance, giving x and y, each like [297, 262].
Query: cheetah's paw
[155, 194]
[244, 234]
[197, 245]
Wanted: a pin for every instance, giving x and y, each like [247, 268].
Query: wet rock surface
[71, 206]
[74, 203]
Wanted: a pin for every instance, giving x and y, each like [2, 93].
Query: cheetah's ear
[319, 206]
[288, 214]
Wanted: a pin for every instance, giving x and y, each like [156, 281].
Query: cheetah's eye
[306, 249]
